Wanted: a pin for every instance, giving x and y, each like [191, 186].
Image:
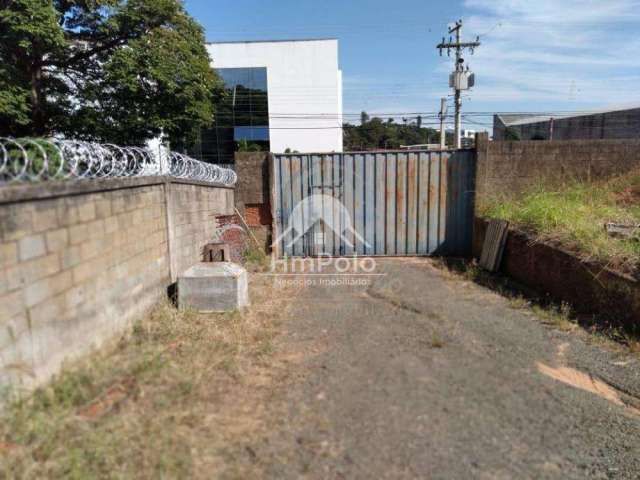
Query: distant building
[280, 95]
[594, 125]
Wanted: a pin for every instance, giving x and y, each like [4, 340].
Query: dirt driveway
[424, 375]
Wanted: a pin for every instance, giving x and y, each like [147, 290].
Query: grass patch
[575, 214]
[558, 316]
[169, 400]
[255, 259]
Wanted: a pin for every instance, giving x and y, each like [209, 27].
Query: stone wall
[81, 260]
[510, 167]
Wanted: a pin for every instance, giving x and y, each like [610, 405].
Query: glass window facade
[241, 118]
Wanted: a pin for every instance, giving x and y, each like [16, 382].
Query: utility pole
[460, 79]
[443, 116]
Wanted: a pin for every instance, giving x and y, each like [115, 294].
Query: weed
[519, 302]
[556, 316]
[255, 259]
[575, 214]
[436, 340]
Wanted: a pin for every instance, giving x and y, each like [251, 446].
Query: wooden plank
[392, 163]
[423, 203]
[401, 205]
[412, 204]
[493, 246]
[370, 204]
[380, 210]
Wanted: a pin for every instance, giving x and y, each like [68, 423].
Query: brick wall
[510, 167]
[81, 260]
[253, 194]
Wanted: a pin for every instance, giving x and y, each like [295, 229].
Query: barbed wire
[34, 160]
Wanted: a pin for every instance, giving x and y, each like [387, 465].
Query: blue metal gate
[401, 203]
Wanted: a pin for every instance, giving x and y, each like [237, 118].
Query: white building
[286, 93]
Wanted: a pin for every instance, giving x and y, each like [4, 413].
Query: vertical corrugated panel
[381, 203]
[317, 232]
[412, 204]
[336, 162]
[434, 202]
[392, 162]
[401, 205]
[349, 182]
[424, 161]
[358, 205]
[296, 198]
[369, 204]
[395, 203]
[286, 206]
[277, 207]
[327, 204]
[443, 202]
[307, 240]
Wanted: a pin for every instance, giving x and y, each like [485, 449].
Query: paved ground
[423, 375]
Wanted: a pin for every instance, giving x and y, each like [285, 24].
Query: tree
[112, 70]
[364, 117]
[377, 134]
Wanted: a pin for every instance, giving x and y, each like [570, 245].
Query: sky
[536, 56]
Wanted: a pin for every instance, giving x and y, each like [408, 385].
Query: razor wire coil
[33, 160]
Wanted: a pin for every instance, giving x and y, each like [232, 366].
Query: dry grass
[575, 216]
[556, 316]
[169, 401]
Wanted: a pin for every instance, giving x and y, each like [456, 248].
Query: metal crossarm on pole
[460, 79]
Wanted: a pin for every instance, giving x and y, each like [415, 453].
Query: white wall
[305, 89]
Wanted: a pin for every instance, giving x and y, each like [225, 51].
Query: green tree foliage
[111, 70]
[378, 134]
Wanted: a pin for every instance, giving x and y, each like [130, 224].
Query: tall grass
[575, 216]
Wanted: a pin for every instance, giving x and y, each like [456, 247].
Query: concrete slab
[213, 287]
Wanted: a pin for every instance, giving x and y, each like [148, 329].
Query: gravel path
[424, 375]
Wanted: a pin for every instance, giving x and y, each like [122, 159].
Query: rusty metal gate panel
[401, 203]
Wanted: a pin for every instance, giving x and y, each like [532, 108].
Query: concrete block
[213, 287]
[57, 239]
[31, 247]
[8, 254]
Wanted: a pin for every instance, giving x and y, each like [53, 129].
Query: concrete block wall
[512, 166]
[192, 221]
[81, 260]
